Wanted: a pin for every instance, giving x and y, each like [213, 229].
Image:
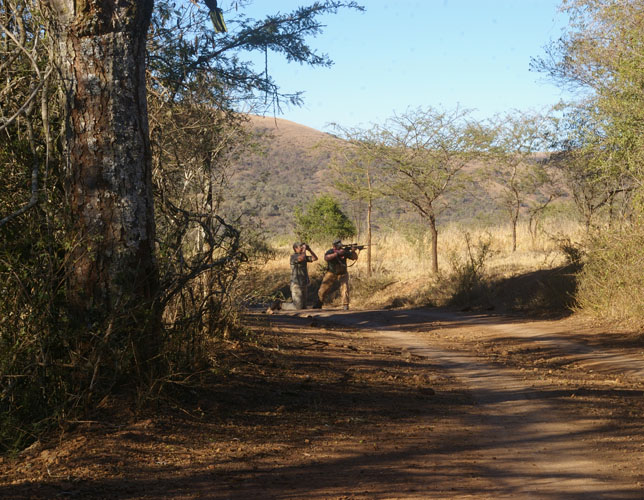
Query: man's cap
[297, 244]
[337, 242]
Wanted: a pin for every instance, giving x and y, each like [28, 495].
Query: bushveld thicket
[602, 54]
[611, 285]
[58, 360]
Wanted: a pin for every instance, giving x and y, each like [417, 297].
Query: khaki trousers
[327, 282]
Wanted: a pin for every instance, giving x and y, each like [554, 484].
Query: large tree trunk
[101, 49]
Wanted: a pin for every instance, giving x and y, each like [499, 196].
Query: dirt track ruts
[531, 445]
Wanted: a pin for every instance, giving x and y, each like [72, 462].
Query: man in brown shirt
[336, 259]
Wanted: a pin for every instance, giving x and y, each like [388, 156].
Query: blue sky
[402, 54]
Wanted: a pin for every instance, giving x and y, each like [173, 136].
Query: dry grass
[401, 266]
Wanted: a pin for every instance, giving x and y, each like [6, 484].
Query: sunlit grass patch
[470, 260]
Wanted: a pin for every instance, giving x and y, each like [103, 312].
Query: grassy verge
[611, 285]
[478, 270]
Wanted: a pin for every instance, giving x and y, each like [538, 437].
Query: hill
[285, 169]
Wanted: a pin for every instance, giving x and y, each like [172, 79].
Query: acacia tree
[601, 54]
[515, 168]
[356, 170]
[422, 152]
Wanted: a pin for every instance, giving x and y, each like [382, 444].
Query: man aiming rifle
[336, 259]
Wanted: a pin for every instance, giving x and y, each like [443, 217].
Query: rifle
[353, 246]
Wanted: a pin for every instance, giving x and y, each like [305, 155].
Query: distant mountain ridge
[287, 170]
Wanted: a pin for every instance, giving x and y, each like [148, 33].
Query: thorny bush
[467, 278]
[57, 365]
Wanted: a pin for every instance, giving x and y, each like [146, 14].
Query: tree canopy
[600, 55]
[422, 153]
[323, 220]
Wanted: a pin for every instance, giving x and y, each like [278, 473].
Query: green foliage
[601, 53]
[611, 285]
[603, 146]
[586, 165]
[186, 49]
[323, 220]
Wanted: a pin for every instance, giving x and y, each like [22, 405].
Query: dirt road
[530, 442]
[394, 404]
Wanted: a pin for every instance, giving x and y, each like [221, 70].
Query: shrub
[611, 284]
[467, 274]
[323, 220]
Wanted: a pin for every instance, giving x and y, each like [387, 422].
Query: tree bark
[515, 221]
[434, 233]
[101, 56]
[369, 209]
